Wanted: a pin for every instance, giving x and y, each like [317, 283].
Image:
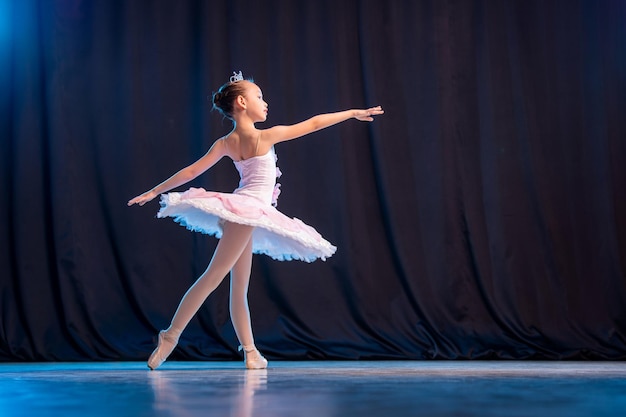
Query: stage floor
[316, 389]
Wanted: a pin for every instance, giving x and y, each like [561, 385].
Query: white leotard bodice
[257, 176]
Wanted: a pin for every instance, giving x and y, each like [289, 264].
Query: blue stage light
[5, 22]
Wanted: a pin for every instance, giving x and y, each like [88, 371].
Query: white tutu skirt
[275, 234]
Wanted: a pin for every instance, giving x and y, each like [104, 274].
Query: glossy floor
[317, 389]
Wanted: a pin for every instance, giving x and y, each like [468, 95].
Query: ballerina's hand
[366, 115]
[142, 199]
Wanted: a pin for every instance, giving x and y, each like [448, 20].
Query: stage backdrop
[483, 216]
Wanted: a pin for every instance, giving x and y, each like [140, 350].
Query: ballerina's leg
[239, 310]
[234, 240]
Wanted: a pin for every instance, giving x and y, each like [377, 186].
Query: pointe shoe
[253, 358]
[164, 348]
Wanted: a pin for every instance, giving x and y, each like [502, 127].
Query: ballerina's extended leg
[234, 240]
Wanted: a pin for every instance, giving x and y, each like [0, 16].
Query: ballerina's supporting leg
[234, 240]
[239, 310]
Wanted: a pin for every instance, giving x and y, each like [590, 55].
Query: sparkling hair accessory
[237, 76]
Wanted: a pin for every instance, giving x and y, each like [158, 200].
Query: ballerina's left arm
[215, 153]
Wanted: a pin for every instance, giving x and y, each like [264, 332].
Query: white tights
[234, 254]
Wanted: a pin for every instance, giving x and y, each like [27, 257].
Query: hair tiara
[237, 76]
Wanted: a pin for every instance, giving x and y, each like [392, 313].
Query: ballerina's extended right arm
[278, 134]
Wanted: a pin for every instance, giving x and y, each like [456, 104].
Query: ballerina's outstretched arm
[185, 175]
[278, 134]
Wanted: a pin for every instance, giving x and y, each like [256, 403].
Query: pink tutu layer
[275, 234]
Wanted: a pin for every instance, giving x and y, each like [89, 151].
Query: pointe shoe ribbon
[253, 358]
[165, 347]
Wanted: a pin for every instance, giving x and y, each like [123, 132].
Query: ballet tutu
[275, 235]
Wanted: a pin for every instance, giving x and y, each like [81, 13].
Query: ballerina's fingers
[367, 114]
[141, 200]
[374, 111]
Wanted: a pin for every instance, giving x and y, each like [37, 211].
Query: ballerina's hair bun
[224, 98]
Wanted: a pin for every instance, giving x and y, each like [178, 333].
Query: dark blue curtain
[483, 216]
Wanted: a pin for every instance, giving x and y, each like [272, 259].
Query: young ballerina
[246, 221]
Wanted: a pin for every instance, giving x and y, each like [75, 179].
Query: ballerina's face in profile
[253, 104]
